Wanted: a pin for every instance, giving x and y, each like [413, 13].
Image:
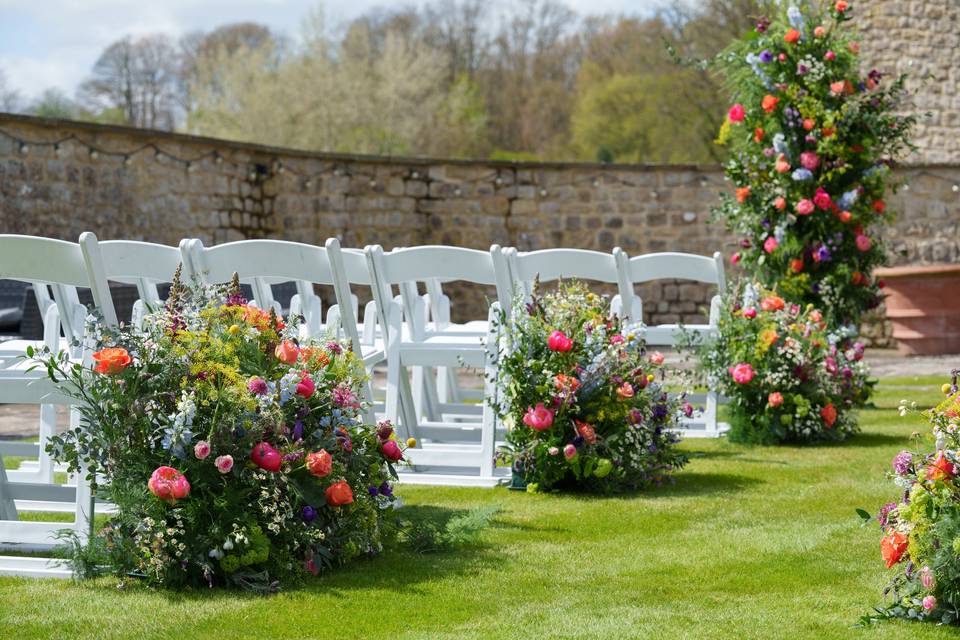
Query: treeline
[453, 79]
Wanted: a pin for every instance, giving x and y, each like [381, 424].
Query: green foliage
[430, 536]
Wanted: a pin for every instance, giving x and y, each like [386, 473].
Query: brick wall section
[243, 193]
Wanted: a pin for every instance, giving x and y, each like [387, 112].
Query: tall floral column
[811, 142]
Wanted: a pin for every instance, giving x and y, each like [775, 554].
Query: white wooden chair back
[262, 263]
[518, 270]
[142, 264]
[667, 265]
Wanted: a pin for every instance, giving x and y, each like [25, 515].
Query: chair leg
[48, 427]
[710, 413]
[488, 433]
[8, 509]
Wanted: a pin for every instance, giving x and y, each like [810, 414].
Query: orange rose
[941, 469]
[758, 134]
[769, 103]
[742, 194]
[564, 382]
[287, 352]
[320, 463]
[111, 360]
[587, 431]
[339, 494]
[893, 547]
[829, 415]
[772, 303]
[792, 36]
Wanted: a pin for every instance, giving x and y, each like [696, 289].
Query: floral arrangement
[236, 454]
[584, 404]
[921, 530]
[788, 378]
[811, 143]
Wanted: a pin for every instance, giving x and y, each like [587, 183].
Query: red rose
[391, 451]
[339, 494]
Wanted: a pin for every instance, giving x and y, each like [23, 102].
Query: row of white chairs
[407, 329]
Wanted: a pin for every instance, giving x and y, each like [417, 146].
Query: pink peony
[929, 603]
[391, 451]
[168, 484]
[805, 207]
[822, 198]
[770, 244]
[656, 358]
[742, 373]
[306, 387]
[224, 463]
[863, 243]
[625, 390]
[775, 399]
[750, 313]
[538, 418]
[569, 452]
[201, 449]
[558, 341]
[737, 113]
[809, 160]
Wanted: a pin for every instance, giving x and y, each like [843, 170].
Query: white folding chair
[62, 266]
[265, 262]
[451, 450]
[679, 266]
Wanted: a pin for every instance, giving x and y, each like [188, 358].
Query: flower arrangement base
[517, 483]
[926, 319]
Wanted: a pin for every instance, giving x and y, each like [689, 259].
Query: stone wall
[161, 187]
[920, 38]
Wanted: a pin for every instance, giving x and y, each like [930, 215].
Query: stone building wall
[922, 39]
[135, 184]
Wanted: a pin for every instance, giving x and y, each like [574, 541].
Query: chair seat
[471, 328]
[667, 334]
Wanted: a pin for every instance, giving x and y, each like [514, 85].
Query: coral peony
[558, 341]
[538, 418]
[796, 265]
[779, 203]
[805, 207]
[770, 244]
[168, 484]
[625, 390]
[863, 242]
[111, 360]
[320, 463]
[287, 352]
[792, 36]
[656, 358]
[772, 303]
[742, 373]
[775, 399]
[587, 431]
[737, 113]
[339, 494]
[769, 103]
[742, 194]
[829, 415]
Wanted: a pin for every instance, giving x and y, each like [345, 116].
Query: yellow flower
[234, 329]
[945, 389]
[650, 377]
[411, 442]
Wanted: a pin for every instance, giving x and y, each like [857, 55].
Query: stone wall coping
[154, 135]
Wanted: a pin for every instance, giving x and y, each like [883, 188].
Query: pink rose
[553, 451]
[822, 198]
[558, 341]
[750, 313]
[770, 244]
[569, 452]
[782, 166]
[224, 463]
[742, 373]
[809, 160]
[775, 399]
[830, 55]
[837, 87]
[391, 451]
[625, 390]
[830, 365]
[168, 484]
[779, 203]
[201, 449]
[656, 358]
[805, 207]
[306, 387]
[929, 603]
[616, 339]
[735, 258]
[538, 418]
[863, 243]
[737, 113]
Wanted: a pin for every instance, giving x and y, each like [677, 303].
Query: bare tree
[9, 97]
[139, 78]
[53, 103]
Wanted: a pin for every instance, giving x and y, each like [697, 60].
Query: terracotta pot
[923, 303]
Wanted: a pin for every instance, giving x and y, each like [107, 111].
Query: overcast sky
[54, 43]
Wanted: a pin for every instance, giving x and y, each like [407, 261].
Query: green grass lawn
[750, 542]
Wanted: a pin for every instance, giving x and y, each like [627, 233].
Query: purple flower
[308, 513]
[766, 57]
[884, 512]
[659, 411]
[636, 417]
[802, 69]
[902, 463]
[372, 491]
[762, 25]
[385, 489]
[298, 430]
[823, 254]
[236, 300]
[257, 386]
[334, 347]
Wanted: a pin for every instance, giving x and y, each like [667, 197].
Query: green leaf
[864, 515]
